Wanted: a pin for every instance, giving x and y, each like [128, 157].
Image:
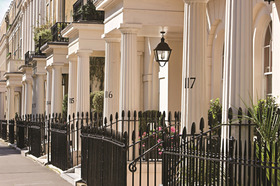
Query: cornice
[195, 1]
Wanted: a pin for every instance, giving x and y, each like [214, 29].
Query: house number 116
[108, 94]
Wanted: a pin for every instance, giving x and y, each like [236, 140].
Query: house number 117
[189, 82]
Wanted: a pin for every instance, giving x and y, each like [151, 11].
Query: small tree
[44, 32]
[215, 111]
[65, 106]
[98, 101]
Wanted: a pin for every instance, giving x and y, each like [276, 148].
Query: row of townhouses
[220, 49]
[60, 56]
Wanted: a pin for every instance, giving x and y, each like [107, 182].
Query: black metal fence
[241, 157]
[152, 148]
[56, 30]
[86, 12]
[7, 129]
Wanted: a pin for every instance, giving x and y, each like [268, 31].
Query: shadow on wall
[277, 4]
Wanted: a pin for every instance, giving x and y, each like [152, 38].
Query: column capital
[72, 57]
[57, 64]
[129, 28]
[48, 68]
[196, 1]
[111, 38]
[83, 52]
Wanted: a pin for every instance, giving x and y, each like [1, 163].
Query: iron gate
[21, 131]
[103, 157]
[12, 131]
[4, 129]
[36, 136]
[59, 145]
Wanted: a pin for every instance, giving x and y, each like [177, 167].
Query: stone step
[72, 178]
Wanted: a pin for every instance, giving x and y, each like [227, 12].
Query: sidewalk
[16, 170]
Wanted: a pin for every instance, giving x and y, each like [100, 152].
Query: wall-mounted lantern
[269, 1]
[162, 52]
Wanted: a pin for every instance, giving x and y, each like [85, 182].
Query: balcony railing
[31, 54]
[86, 12]
[56, 32]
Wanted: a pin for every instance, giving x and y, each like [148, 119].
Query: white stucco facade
[224, 49]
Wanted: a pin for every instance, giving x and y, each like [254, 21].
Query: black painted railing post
[49, 135]
[230, 160]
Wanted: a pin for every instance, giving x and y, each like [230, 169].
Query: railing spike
[230, 114]
[201, 125]
[117, 116]
[184, 133]
[193, 128]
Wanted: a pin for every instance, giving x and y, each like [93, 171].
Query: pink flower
[159, 128]
[159, 140]
[173, 129]
[160, 153]
[144, 134]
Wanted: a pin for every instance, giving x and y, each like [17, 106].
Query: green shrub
[88, 12]
[98, 101]
[45, 32]
[65, 106]
[265, 114]
[215, 111]
[97, 65]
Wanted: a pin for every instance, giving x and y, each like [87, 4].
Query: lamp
[269, 1]
[162, 52]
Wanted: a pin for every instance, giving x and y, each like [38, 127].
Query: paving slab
[16, 170]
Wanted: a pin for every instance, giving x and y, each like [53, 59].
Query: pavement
[16, 170]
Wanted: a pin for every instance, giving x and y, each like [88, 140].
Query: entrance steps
[73, 175]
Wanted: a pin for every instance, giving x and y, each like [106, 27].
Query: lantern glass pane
[163, 55]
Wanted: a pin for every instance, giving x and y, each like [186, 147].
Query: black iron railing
[148, 149]
[77, 10]
[56, 32]
[86, 12]
[29, 55]
[32, 54]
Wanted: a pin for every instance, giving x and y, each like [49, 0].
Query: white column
[83, 82]
[112, 77]
[238, 78]
[37, 13]
[56, 104]
[150, 76]
[33, 13]
[23, 98]
[49, 90]
[25, 28]
[58, 10]
[11, 102]
[34, 94]
[72, 86]
[28, 27]
[30, 24]
[129, 89]
[2, 105]
[40, 94]
[23, 31]
[194, 103]
[28, 97]
[52, 13]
